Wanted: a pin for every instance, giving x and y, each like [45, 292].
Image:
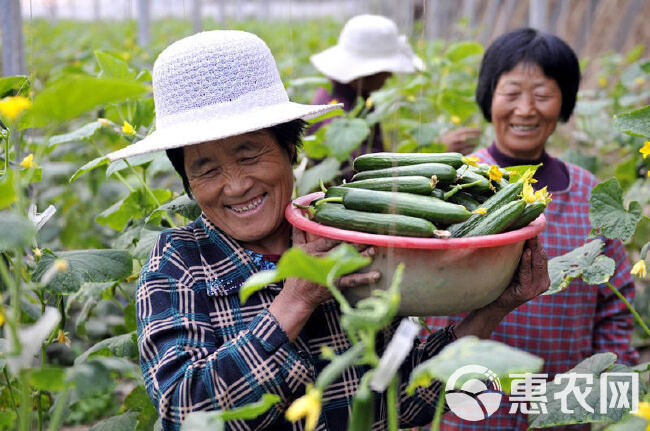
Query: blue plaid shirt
[201, 349]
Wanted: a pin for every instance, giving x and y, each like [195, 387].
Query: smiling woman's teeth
[250, 206]
[523, 128]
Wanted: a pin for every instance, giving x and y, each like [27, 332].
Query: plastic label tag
[396, 352]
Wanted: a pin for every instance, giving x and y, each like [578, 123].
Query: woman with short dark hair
[529, 81]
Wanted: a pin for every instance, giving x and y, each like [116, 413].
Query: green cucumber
[498, 220]
[337, 215]
[426, 207]
[465, 199]
[443, 172]
[530, 213]
[411, 184]
[499, 199]
[373, 161]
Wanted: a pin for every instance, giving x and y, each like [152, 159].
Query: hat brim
[198, 131]
[343, 66]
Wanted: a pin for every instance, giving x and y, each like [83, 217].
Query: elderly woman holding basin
[230, 131]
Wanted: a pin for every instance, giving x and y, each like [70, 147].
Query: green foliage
[499, 358]
[585, 262]
[607, 213]
[84, 266]
[594, 365]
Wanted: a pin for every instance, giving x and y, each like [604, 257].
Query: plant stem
[11, 391]
[150, 193]
[25, 402]
[435, 425]
[638, 318]
[59, 406]
[391, 399]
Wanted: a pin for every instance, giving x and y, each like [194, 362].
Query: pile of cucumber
[443, 195]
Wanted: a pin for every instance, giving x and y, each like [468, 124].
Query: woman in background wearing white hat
[368, 52]
[229, 129]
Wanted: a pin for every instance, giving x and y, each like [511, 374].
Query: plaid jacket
[569, 326]
[201, 349]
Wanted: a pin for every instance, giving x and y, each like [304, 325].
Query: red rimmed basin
[441, 276]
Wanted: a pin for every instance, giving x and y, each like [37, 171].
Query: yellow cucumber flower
[543, 195]
[12, 107]
[528, 194]
[645, 150]
[28, 161]
[333, 102]
[128, 129]
[455, 119]
[308, 406]
[602, 81]
[472, 161]
[644, 411]
[104, 122]
[481, 211]
[62, 338]
[495, 173]
[640, 269]
[640, 80]
[37, 252]
[369, 103]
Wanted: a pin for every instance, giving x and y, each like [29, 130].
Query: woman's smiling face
[525, 109]
[243, 184]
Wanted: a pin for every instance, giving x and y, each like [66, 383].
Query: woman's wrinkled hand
[461, 140]
[313, 294]
[530, 280]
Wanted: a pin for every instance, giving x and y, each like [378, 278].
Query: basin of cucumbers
[458, 226]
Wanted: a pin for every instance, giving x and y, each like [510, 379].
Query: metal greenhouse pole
[13, 45]
[144, 22]
[537, 14]
[197, 25]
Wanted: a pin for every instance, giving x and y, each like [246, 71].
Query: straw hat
[213, 85]
[368, 44]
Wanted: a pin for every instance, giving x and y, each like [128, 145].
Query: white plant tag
[396, 352]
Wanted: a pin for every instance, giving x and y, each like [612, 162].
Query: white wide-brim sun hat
[214, 85]
[368, 44]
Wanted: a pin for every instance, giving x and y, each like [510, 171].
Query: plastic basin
[441, 276]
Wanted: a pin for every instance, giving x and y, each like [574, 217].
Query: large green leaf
[90, 377]
[563, 269]
[182, 205]
[123, 346]
[84, 133]
[296, 262]
[7, 190]
[124, 422]
[84, 266]
[326, 170]
[635, 123]
[457, 103]
[314, 145]
[17, 231]
[95, 163]
[608, 214]
[574, 412]
[146, 240]
[48, 378]
[138, 400]
[460, 50]
[499, 358]
[71, 96]
[120, 165]
[20, 83]
[137, 204]
[345, 135]
[201, 421]
[113, 67]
